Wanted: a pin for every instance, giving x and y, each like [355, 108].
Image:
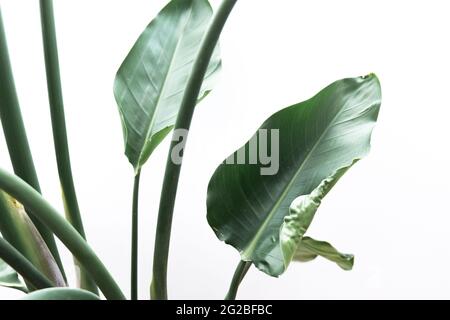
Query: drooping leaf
[317, 139]
[61, 294]
[301, 213]
[9, 278]
[150, 83]
[308, 249]
[18, 229]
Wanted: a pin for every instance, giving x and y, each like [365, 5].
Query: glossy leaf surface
[317, 140]
[151, 82]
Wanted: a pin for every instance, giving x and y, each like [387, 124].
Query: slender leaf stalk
[59, 128]
[239, 274]
[16, 138]
[25, 268]
[25, 194]
[135, 238]
[172, 174]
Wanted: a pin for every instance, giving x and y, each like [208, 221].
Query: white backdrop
[391, 210]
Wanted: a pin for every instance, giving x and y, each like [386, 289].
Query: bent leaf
[308, 249]
[301, 214]
[316, 138]
[61, 294]
[9, 278]
[151, 82]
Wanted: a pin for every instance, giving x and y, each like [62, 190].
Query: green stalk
[59, 129]
[239, 274]
[25, 268]
[25, 194]
[172, 174]
[135, 238]
[16, 138]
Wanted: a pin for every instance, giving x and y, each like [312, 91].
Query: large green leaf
[9, 278]
[151, 82]
[318, 140]
[308, 249]
[61, 294]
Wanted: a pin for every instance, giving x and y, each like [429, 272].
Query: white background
[391, 210]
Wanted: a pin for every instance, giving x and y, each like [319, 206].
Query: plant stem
[239, 274]
[59, 128]
[25, 194]
[25, 268]
[135, 238]
[16, 137]
[172, 174]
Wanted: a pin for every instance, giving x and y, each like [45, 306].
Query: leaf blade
[150, 83]
[317, 137]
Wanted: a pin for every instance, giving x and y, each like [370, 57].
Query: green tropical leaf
[308, 249]
[9, 278]
[318, 140]
[61, 294]
[150, 83]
